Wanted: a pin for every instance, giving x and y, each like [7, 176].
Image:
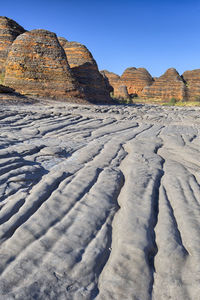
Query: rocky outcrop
[37, 65]
[9, 30]
[192, 80]
[136, 80]
[121, 93]
[85, 70]
[169, 85]
[113, 81]
[119, 89]
[107, 82]
[113, 78]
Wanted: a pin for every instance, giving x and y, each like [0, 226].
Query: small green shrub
[172, 101]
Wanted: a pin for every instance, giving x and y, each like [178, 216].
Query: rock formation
[169, 85]
[37, 65]
[85, 70]
[113, 80]
[109, 87]
[136, 80]
[9, 30]
[192, 80]
[121, 93]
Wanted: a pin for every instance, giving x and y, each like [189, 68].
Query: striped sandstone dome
[192, 79]
[136, 80]
[9, 30]
[85, 70]
[169, 85]
[37, 65]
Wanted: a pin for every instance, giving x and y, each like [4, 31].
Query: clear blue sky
[153, 34]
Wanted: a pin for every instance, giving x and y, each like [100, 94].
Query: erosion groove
[99, 202]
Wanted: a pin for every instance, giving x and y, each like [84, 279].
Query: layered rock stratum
[119, 90]
[9, 30]
[37, 65]
[192, 79]
[85, 70]
[113, 79]
[169, 85]
[99, 202]
[136, 79]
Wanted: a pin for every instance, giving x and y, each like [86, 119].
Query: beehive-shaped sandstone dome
[9, 30]
[192, 79]
[136, 79]
[37, 65]
[85, 70]
[169, 85]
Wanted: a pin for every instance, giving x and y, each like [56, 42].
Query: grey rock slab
[99, 202]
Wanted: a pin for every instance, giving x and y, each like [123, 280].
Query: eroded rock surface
[169, 85]
[37, 65]
[99, 202]
[85, 70]
[9, 30]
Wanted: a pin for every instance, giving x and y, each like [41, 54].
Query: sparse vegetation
[121, 100]
[172, 101]
[187, 103]
[2, 75]
[175, 102]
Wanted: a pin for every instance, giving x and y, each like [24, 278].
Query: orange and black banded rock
[192, 80]
[85, 70]
[113, 80]
[9, 30]
[108, 85]
[169, 85]
[37, 65]
[136, 79]
[119, 89]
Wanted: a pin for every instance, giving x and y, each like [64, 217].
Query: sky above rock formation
[153, 34]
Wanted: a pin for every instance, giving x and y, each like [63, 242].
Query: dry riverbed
[99, 202]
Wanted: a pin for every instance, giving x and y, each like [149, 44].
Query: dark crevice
[36, 205]
[178, 233]
[152, 249]
[104, 256]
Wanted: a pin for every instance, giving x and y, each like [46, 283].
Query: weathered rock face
[136, 80]
[192, 79]
[113, 78]
[85, 70]
[37, 65]
[169, 85]
[9, 30]
[121, 93]
[107, 81]
[119, 89]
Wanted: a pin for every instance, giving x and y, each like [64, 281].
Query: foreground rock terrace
[99, 202]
